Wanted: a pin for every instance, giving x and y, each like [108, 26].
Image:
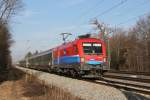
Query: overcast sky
[38, 25]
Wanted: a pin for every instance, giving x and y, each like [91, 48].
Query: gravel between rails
[84, 90]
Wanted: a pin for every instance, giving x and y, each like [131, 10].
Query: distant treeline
[130, 49]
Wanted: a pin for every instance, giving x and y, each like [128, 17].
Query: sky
[39, 24]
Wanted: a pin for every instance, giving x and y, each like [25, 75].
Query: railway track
[129, 72]
[130, 82]
[127, 81]
[129, 76]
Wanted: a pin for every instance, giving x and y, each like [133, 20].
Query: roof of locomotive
[89, 39]
[77, 41]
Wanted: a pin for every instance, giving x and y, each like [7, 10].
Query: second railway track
[130, 82]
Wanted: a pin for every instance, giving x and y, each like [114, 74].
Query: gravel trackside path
[84, 90]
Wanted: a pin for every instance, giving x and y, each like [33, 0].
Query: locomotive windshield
[92, 48]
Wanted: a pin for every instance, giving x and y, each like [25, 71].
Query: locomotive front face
[92, 52]
[93, 56]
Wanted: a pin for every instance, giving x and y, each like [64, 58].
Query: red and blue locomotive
[82, 57]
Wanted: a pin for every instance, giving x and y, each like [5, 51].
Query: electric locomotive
[85, 57]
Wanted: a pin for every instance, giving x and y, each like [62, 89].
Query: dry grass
[37, 90]
[19, 85]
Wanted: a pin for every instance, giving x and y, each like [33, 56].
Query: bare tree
[131, 49]
[5, 42]
[141, 33]
[8, 8]
[118, 49]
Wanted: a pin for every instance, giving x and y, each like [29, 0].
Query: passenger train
[83, 57]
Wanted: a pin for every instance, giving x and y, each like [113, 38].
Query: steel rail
[124, 86]
[129, 72]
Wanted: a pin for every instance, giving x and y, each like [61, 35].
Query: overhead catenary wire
[111, 8]
[114, 7]
[91, 8]
[133, 18]
[139, 5]
[82, 15]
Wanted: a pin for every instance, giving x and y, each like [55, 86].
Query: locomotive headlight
[82, 59]
[104, 59]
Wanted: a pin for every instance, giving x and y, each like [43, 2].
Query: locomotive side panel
[66, 57]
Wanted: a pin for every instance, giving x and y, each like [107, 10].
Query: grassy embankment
[16, 84]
